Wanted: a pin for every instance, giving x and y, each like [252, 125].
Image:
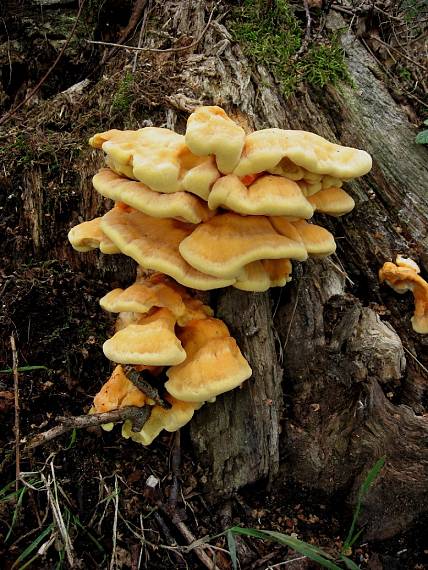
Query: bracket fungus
[403, 276]
[210, 208]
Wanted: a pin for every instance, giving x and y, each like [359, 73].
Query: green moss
[273, 35]
[123, 97]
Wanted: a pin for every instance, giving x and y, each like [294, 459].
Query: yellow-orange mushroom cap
[267, 195]
[264, 150]
[88, 236]
[261, 275]
[332, 201]
[228, 242]
[150, 341]
[318, 241]
[214, 363]
[160, 419]
[210, 131]
[159, 158]
[406, 278]
[118, 392]
[141, 297]
[179, 205]
[154, 244]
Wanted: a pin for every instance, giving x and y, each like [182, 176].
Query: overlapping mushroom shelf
[216, 207]
[174, 343]
[213, 208]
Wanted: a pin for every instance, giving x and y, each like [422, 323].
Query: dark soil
[49, 302]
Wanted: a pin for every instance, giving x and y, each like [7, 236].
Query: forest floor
[90, 498]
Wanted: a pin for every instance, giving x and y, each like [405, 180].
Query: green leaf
[312, 552]
[25, 553]
[24, 369]
[367, 483]
[231, 544]
[422, 137]
[426, 122]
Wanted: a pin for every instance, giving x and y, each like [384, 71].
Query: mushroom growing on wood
[212, 208]
[403, 276]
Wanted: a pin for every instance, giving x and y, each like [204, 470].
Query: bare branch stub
[137, 415]
[144, 386]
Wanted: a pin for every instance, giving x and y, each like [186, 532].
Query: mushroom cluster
[216, 206]
[213, 208]
[403, 276]
[164, 332]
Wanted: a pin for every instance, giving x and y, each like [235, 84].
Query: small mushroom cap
[318, 241]
[227, 242]
[407, 262]
[141, 297]
[154, 244]
[88, 236]
[214, 363]
[403, 279]
[118, 392]
[159, 158]
[160, 419]
[261, 275]
[267, 195]
[152, 341]
[179, 205]
[210, 131]
[332, 201]
[288, 169]
[194, 309]
[264, 150]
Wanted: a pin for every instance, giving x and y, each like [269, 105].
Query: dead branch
[144, 386]
[16, 393]
[137, 415]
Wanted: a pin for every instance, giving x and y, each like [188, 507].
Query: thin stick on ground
[137, 415]
[17, 425]
[175, 465]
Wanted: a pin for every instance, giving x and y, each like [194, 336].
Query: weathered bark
[332, 388]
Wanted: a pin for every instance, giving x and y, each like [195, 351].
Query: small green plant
[122, 98]
[312, 552]
[422, 137]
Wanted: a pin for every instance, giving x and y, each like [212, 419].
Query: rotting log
[333, 388]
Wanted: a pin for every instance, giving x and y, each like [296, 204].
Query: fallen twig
[17, 426]
[175, 464]
[144, 386]
[139, 416]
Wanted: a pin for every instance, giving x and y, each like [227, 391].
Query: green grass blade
[33, 546]
[312, 552]
[24, 369]
[231, 544]
[20, 496]
[367, 483]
